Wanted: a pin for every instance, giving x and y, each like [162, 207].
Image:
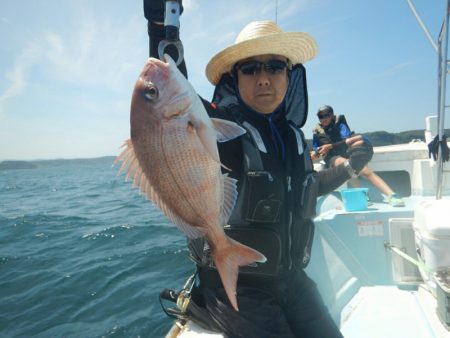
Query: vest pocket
[264, 240]
[261, 203]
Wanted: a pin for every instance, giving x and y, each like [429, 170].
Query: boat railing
[441, 47]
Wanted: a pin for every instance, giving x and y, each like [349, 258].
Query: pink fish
[173, 158]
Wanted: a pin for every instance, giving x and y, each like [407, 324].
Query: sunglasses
[254, 67]
[324, 116]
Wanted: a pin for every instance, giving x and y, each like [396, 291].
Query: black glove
[359, 156]
[433, 148]
[340, 147]
[154, 10]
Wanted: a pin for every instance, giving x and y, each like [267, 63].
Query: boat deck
[363, 284]
[389, 312]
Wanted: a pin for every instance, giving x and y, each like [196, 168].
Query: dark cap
[326, 110]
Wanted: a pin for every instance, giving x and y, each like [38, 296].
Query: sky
[67, 68]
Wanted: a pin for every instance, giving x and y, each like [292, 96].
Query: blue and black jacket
[335, 133]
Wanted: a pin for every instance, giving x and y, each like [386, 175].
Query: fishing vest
[331, 134]
[272, 214]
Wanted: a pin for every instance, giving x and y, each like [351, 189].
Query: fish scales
[173, 158]
[197, 189]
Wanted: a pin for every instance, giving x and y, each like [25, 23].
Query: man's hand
[315, 156]
[325, 149]
[354, 141]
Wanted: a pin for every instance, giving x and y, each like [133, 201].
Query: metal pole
[419, 20]
[443, 50]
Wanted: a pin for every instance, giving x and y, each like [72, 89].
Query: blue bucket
[355, 199]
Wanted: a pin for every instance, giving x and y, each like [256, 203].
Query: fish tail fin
[228, 260]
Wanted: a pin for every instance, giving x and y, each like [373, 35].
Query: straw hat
[258, 38]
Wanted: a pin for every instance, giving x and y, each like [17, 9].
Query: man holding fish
[247, 202]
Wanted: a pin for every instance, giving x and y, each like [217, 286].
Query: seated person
[332, 137]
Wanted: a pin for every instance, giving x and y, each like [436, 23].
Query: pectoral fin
[227, 130]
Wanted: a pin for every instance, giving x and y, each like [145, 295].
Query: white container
[432, 233]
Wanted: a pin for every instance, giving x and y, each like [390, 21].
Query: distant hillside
[378, 138]
[13, 165]
[78, 161]
[10, 165]
[383, 138]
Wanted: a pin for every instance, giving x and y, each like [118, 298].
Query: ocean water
[82, 254]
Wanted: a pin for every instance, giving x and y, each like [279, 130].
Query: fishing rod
[167, 13]
[172, 30]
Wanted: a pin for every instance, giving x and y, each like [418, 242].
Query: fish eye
[151, 92]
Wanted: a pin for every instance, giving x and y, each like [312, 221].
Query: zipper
[306, 254]
[260, 174]
[309, 177]
[290, 206]
[290, 240]
[305, 185]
